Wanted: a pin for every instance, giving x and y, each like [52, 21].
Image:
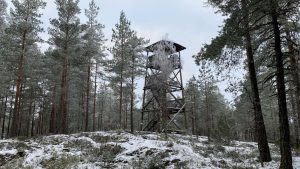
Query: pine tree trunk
[64, 84]
[52, 128]
[42, 118]
[285, 147]
[121, 96]
[82, 109]
[37, 129]
[132, 95]
[29, 118]
[110, 106]
[63, 97]
[87, 98]
[196, 116]
[79, 116]
[193, 121]
[9, 116]
[131, 102]
[207, 112]
[102, 111]
[295, 119]
[295, 75]
[260, 130]
[1, 110]
[98, 118]
[126, 115]
[15, 120]
[4, 117]
[95, 94]
[32, 121]
[274, 121]
[21, 103]
[121, 81]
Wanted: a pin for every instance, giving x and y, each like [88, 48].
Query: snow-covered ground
[122, 150]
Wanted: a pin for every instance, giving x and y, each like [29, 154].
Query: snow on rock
[6, 152]
[143, 150]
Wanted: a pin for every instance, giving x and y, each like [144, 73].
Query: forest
[79, 84]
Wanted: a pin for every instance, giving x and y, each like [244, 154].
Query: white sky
[190, 23]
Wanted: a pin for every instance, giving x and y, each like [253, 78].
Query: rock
[167, 163]
[6, 158]
[149, 152]
[2, 160]
[21, 153]
[21, 146]
[170, 144]
[223, 162]
[169, 150]
[175, 160]
[133, 153]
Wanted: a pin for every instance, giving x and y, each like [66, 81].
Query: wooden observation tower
[163, 98]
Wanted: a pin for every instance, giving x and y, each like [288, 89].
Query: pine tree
[36, 87]
[192, 98]
[207, 85]
[291, 29]
[265, 17]
[64, 34]
[51, 56]
[236, 33]
[136, 64]
[121, 37]
[285, 148]
[93, 51]
[259, 120]
[212, 106]
[23, 30]
[3, 6]
[3, 76]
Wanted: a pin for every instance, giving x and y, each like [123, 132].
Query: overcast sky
[190, 23]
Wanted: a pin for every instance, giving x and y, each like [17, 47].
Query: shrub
[63, 162]
[156, 163]
[181, 165]
[241, 167]
[106, 153]
[170, 144]
[21, 147]
[101, 139]
[16, 164]
[78, 143]
[219, 148]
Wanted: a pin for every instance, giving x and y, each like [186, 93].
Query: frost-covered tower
[163, 99]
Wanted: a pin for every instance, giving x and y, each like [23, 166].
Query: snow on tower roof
[167, 44]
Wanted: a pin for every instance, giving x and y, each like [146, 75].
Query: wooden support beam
[174, 117]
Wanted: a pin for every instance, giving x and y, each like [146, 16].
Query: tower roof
[167, 44]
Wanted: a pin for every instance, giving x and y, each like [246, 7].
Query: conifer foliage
[23, 30]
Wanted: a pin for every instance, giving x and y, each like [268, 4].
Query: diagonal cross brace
[174, 117]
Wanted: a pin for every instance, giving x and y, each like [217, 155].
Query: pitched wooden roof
[167, 44]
